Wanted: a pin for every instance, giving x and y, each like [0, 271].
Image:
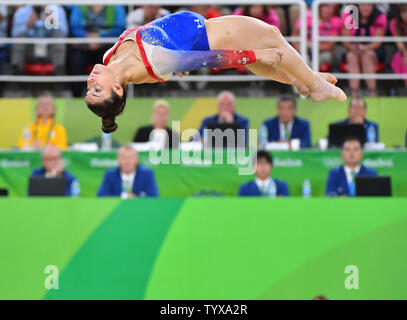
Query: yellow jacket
[51, 133]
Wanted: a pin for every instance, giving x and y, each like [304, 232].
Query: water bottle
[272, 189]
[26, 137]
[263, 137]
[75, 188]
[124, 194]
[106, 142]
[371, 134]
[306, 189]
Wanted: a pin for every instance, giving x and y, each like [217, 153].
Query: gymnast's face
[100, 85]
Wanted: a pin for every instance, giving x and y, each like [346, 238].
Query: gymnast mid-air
[186, 41]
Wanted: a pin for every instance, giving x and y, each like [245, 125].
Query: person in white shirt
[341, 180]
[143, 15]
[264, 185]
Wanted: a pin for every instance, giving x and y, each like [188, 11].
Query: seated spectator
[208, 12]
[398, 28]
[45, 130]
[130, 179]
[264, 185]
[226, 114]
[53, 166]
[144, 15]
[35, 21]
[260, 12]
[161, 114]
[4, 48]
[329, 25]
[93, 22]
[365, 57]
[357, 115]
[287, 126]
[341, 180]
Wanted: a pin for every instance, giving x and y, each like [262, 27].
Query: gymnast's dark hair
[109, 109]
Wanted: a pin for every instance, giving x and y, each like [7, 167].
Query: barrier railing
[193, 78]
[316, 39]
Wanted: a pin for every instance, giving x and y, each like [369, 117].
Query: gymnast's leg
[245, 33]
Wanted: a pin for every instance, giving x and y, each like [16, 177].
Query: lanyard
[51, 127]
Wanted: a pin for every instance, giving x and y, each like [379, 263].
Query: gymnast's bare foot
[328, 77]
[322, 90]
[269, 56]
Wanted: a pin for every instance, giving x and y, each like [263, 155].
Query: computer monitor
[232, 129]
[373, 186]
[42, 186]
[339, 132]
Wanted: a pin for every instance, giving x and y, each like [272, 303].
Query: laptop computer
[339, 132]
[373, 186]
[42, 186]
[231, 129]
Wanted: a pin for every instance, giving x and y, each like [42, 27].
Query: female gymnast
[186, 41]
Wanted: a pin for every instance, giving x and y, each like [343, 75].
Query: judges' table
[185, 174]
[196, 248]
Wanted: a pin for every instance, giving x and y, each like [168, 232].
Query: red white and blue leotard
[179, 43]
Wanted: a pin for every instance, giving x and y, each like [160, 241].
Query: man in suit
[357, 115]
[162, 134]
[53, 166]
[130, 179]
[341, 180]
[287, 126]
[226, 114]
[264, 185]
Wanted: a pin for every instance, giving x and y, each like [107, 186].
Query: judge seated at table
[264, 185]
[286, 125]
[161, 115]
[53, 166]
[357, 115]
[226, 114]
[130, 179]
[341, 180]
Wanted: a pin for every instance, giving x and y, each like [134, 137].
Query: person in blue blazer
[130, 179]
[357, 115]
[53, 166]
[264, 185]
[287, 125]
[226, 113]
[341, 180]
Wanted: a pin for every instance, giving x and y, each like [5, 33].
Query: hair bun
[109, 125]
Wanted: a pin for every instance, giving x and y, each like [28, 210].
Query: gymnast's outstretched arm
[171, 61]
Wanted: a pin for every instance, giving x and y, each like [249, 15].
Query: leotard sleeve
[168, 61]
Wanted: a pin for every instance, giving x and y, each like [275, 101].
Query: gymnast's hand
[179, 74]
[269, 56]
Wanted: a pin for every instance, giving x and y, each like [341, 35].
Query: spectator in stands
[130, 179]
[53, 166]
[398, 27]
[39, 22]
[260, 12]
[4, 48]
[44, 130]
[226, 114]
[264, 185]
[357, 115]
[162, 133]
[208, 12]
[329, 25]
[341, 180]
[93, 22]
[144, 15]
[365, 57]
[286, 125]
